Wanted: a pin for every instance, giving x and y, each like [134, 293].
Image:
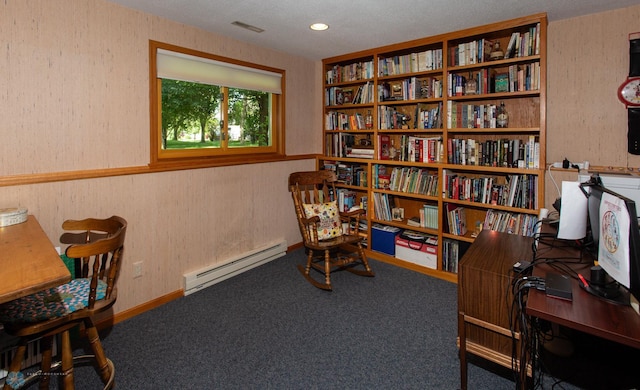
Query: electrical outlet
[137, 269]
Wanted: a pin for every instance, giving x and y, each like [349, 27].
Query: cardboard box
[383, 239]
[418, 248]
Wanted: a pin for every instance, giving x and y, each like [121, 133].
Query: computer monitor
[615, 235]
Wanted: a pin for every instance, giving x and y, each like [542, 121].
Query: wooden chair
[98, 243]
[330, 236]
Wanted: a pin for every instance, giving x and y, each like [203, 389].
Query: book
[501, 82]
[384, 145]
[361, 152]
[347, 96]
[511, 46]
[414, 221]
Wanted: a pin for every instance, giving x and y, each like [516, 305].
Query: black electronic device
[607, 210]
[558, 286]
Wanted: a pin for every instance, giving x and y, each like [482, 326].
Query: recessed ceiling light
[247, 26]
[319, 26]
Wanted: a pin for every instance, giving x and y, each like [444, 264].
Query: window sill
[207, 162]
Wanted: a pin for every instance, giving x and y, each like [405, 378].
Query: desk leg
[463, 351]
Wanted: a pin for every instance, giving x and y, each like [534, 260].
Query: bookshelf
[415, 128]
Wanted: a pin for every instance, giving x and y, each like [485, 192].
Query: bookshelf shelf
[495, 64]
[495, 95]
[466, 238]
[483, 130]
[427, 117]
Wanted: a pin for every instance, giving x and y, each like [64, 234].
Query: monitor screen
[614, 229]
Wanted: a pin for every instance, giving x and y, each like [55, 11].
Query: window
[211, 108]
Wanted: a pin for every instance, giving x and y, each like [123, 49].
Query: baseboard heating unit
[197, 280]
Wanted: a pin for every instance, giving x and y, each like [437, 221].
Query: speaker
[633, 136]
[634, 58]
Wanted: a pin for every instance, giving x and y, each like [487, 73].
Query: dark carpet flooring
[268, 328]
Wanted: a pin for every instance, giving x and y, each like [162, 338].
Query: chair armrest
[310, 225]
[352, 214]
[310, 221]
[352, 218]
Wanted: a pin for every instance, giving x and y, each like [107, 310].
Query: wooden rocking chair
[329, 235]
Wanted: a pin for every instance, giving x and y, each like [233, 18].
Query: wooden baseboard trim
[295, 246]
[134, 311]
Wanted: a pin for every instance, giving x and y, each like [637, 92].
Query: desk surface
[585, 312]
[28, 261]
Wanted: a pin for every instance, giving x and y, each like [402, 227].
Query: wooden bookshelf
[426, 117]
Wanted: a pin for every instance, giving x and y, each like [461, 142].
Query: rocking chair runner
[329, 235]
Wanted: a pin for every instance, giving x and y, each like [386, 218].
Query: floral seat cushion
[51, 303]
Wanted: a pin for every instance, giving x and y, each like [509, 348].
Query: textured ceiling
[354, 24]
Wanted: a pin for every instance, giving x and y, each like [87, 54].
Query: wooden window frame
[211, 156]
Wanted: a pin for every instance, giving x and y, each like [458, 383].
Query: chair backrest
[313, 186]
[309, 188]
[98, 243]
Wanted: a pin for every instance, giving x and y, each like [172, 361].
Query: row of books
[517, 78]
[409, 63]
[360, 152]
[337, 96]
[430, 87]
[350, 174]
[510, 153]
[520, 44]
[408, 179]
[391, 118]
[351, 72]
[523, 44]
[379, 172]
[428, 117]
[423, 149]
[485, 80]
[452, 252]
[425, 117]
[382, 206]
[411, 148]
[511, 191]
[524, 77]
[514, 223]
[468, 53]
[410, 89]
[428, 217]
[344, 145]
[346, 199]
[457, 219]
[335, 120]
[339, 144]
[468, 116]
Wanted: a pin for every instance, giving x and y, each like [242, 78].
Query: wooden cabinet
[414, 126]
[485, 320]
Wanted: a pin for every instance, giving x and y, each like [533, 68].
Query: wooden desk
[484, 293]
[28, 261]
[484, 296]
[585, 313]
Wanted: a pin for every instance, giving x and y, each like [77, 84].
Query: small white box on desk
[418, 248]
